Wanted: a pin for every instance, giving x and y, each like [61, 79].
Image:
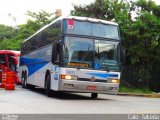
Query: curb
[140, 95]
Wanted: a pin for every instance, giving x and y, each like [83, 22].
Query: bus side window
[2, 59]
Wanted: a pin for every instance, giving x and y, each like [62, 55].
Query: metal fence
[141, 76]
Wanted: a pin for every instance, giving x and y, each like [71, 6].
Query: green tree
[102, 9]
[41, 18]
[11, 38]
[6, 32]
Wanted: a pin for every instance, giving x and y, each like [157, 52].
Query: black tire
[32, 87]
[24, 80]
[94, 95]
[48, 84]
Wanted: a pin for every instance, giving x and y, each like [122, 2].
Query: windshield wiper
[86, 54]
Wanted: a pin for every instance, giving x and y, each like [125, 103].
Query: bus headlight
[69, 77]
[113, 80]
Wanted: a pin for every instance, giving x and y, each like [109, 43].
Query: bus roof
[13, 52]
[94, 20]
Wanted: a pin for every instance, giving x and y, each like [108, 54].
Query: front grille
[87, 79]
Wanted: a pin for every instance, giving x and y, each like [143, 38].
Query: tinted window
[53, 33]
[91, 29]
[2, 59]
[47, 36]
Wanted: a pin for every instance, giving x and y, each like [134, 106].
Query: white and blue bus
[76, 54]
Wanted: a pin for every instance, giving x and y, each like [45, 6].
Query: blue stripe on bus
[25, 60]
[33, 65]
[32, 68]
[103, 75]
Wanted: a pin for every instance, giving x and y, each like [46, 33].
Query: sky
[13, 12]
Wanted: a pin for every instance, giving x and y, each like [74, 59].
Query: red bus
[9, 62]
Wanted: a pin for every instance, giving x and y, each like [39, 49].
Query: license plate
[91, 87]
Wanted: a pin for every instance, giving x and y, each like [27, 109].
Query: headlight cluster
[68, 77]
[113, 80]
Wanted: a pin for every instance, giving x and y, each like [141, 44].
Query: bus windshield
[90, 53]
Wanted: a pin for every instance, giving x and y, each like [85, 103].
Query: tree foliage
[6, 32]
[11, 38]
[41, 18]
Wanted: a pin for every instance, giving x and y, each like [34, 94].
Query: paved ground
[36, 102]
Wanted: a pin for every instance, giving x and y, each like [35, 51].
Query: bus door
[56, 61]
[12, 65]
[3, 65]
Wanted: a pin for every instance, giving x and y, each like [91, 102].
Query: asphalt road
[24, 101]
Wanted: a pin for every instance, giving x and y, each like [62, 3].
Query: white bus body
[60, 57]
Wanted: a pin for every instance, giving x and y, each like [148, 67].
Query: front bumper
[82, 86]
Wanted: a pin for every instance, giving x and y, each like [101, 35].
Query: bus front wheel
[48, 84]
[94, 95]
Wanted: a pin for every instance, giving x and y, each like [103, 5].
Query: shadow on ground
[64, 95]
